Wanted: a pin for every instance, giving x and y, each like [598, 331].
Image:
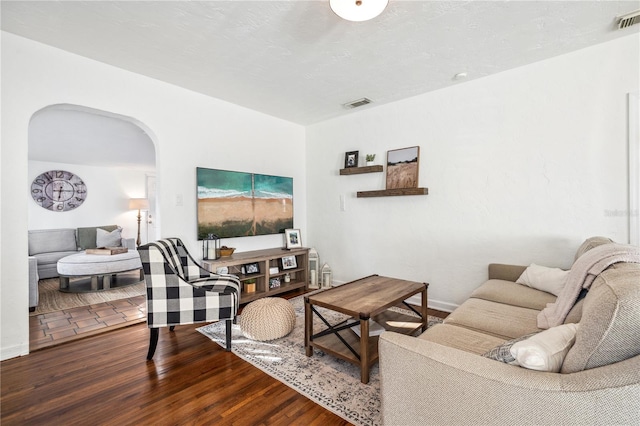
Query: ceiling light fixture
[358, 10]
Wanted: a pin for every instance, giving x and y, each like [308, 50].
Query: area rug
[328, 381]
[51, 299]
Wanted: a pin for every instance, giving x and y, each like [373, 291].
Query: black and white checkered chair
[179, 291]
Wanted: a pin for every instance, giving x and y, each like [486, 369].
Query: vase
[371, 163]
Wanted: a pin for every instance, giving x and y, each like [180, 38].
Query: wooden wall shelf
[360, 170]
[393, 192]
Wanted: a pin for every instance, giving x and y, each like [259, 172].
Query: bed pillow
[551, 280]
[546, 350]
[109, 239]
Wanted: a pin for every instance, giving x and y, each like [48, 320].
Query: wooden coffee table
[363, 299]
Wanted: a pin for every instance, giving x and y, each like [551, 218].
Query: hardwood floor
[105, 379]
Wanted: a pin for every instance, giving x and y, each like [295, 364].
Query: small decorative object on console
[251, 268]
[289, 262]
[274, 282]
[250, 286]
[327, 276]
[226, 251]
[211, 247]
[314, 268]
[293, 239]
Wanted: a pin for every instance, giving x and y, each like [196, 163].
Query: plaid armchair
[179, 291]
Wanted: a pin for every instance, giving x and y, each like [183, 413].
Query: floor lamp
[138, 204]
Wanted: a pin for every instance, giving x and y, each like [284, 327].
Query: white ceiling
[298, 61]
[294, 59]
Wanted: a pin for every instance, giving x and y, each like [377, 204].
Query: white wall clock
[58, 190]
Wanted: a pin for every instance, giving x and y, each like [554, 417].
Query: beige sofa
[441, 377]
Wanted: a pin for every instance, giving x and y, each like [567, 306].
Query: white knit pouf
[267, 319]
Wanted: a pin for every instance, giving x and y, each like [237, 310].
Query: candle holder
[327, 276]
[314, 269]
[211, 247]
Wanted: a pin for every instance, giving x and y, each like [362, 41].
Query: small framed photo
[289, 262]
[274, 282]
[292, 238]
[251, 268]
[274, 270]
[351, 159]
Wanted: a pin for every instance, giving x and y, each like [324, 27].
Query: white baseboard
[433, 304]
[14, 351]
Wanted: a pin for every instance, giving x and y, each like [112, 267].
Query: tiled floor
[62, 326]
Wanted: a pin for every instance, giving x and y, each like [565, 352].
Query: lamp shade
[358, 10]
[138, 204]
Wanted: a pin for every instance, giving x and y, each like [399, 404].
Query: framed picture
[402, 168]
[251, 268]
[292, 238]
[289, 262]
[274, 282]
[273, 270]
[351, 159]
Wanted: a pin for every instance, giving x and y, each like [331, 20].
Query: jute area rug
[51, 299]
[323, 378]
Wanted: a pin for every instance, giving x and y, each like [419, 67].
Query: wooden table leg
[308, 327]
[364, 349]
[425, 316]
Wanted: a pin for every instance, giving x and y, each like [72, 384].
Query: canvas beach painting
[238, 204]
[402, 168]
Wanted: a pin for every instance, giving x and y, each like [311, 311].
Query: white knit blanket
[583, 272]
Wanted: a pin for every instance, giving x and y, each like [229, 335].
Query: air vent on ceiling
[357, 103]
[629, 19]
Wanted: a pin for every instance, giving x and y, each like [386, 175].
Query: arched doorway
[114, 155]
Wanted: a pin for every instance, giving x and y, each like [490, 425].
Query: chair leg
[228, 324]
[153, 342]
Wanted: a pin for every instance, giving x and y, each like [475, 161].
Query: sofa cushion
[52, 258]
[109, 239]
[460, 338]
[87, 236]
[610, 325]
[51, 240]
[550, 280]
[510, 293]
[497, 319]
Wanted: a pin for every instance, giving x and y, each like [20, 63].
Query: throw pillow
[551, 280]
[546, 350]
[109, 239]
[502, 352]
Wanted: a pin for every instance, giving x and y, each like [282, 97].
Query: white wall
[521, 167]
[188, 129]
[108, 192]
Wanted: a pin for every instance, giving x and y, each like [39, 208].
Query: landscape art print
[402, 168]
[238, 204]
